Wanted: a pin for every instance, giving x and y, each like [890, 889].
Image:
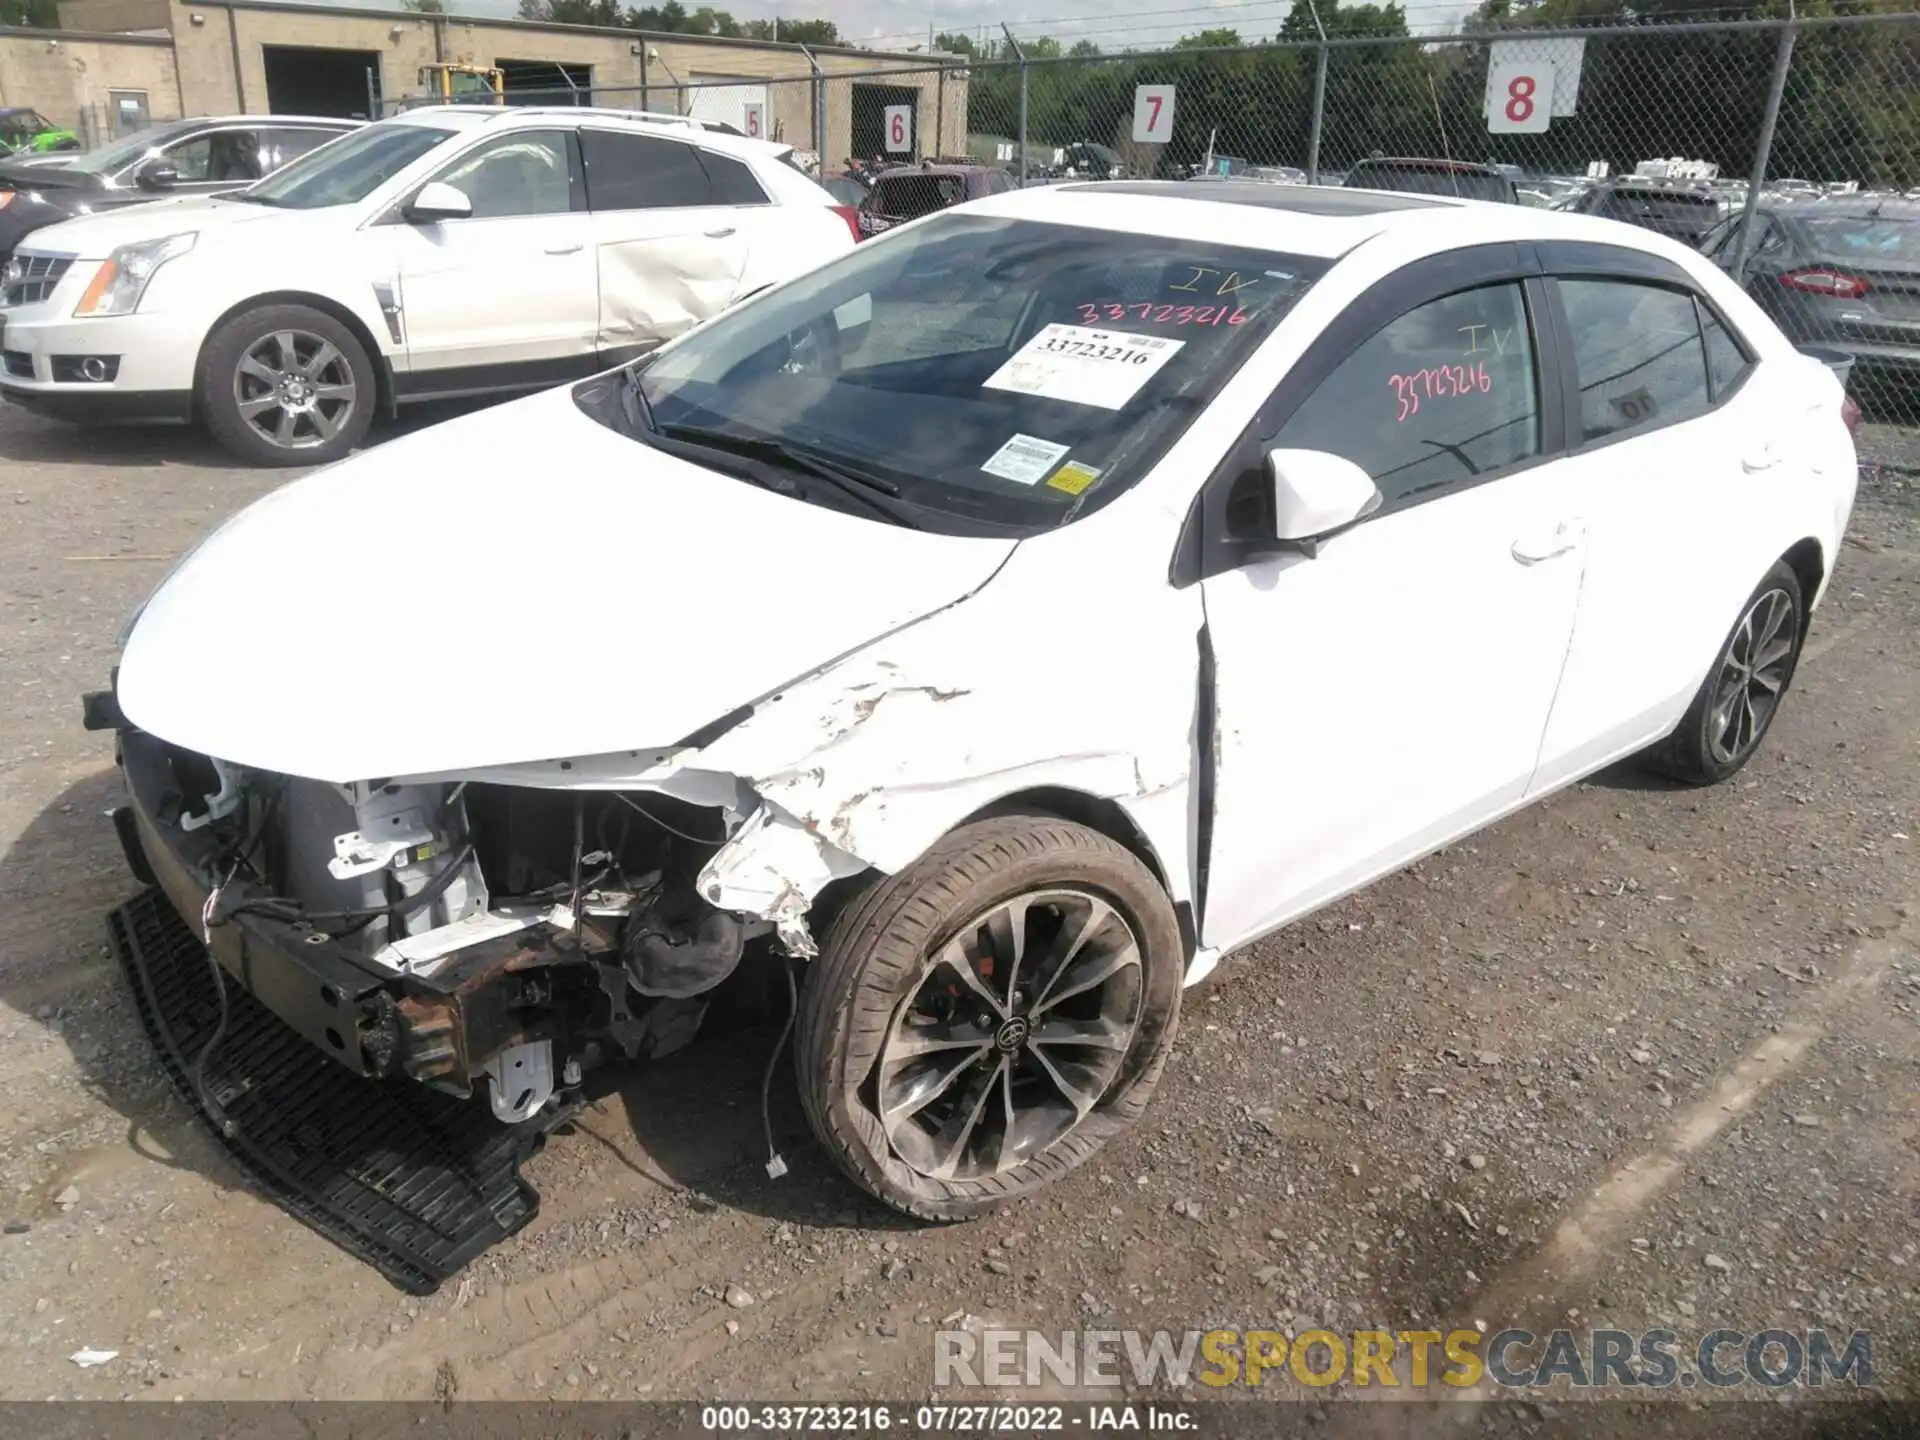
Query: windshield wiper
[876, 492]
[636, 393]
[245, 198]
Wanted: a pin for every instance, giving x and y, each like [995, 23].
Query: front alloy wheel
[983, 1021]
[296, 389]
[286, 385]
[1018, 1026]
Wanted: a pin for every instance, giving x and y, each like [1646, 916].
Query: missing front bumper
[413, 1182]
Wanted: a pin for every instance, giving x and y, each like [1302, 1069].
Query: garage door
[728, 101]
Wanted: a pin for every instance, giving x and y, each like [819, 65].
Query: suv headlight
[117, 287]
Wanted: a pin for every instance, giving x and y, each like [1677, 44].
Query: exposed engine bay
[467, 935]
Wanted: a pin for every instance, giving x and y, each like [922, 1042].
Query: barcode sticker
[1025, 460]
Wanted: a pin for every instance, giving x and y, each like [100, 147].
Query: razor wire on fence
[1720, 134]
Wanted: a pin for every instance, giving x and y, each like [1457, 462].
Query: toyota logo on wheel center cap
[1011, 1035]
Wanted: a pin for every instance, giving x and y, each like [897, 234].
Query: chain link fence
[1787, 149]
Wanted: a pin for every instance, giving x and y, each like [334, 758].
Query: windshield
[1891, 239]
[992, 375]
[346, 170]
[20, 125]
[111, 158]
[1431, 180]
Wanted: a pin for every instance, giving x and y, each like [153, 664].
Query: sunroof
[1305, 199]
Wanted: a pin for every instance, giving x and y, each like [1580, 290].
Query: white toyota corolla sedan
[1004, 620]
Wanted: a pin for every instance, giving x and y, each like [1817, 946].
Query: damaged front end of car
[383, 995]
[469, 934]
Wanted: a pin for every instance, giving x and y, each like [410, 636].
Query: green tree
[425, 7]
[35, 14]
[572, 12]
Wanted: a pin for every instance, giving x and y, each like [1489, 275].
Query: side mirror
[1316, 494]
[439, 201]
[156, 175]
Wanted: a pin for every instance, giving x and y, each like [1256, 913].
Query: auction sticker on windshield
[1024, 460]
[1087, 367]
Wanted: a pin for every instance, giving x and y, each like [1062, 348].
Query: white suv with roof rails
[452, 250]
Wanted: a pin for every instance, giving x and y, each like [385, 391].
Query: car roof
[1304, 199]
[1324, 222]
[1426, 162]
[519, 117]
[945, 167]
[267, 120]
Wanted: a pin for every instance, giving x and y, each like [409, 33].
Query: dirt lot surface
[1638, 1056]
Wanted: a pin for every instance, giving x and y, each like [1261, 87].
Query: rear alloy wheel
[287, 385]
[985, 1020]
[1737, 702]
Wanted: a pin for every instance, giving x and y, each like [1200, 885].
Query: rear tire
[286, 385]
[1735, 706]
[1061, 1034]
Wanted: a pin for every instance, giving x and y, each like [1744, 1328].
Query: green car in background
[28, 132]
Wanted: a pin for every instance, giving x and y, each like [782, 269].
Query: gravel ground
[1636, 1057]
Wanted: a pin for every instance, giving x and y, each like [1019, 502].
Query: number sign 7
[1152, 114]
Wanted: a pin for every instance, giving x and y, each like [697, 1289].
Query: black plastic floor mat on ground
[413, 1182]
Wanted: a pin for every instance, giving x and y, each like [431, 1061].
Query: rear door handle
[575, 248]
[1551, 544]
[719, 234]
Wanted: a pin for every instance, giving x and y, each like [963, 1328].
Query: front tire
[286, 385]
[990, 1017]
[1735, 706]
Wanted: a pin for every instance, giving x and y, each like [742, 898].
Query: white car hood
[95, 237]
[518, 585]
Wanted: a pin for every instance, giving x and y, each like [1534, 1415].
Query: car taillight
[1850, 413]
[1826, 282]
[851, 216]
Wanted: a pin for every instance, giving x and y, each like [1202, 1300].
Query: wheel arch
[1109, 818]
[1808, 561]
[1058, 802]
[382, 365]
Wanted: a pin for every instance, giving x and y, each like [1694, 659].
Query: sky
[1111, 24]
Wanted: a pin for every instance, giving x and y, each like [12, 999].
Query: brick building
[116, 64]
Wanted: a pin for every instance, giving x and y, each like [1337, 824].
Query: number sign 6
[899, 127]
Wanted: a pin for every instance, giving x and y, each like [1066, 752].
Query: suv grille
[31, 278]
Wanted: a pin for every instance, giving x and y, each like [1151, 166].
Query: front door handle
[1765, 458]
[574, 249]
[719, 234]
[1549, 545]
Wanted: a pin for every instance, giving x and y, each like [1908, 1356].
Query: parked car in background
[1842, 273]
[451, 250]
[1683, 210]
[28, 132]
[1459, 179]
[910, 191]
[185, 157]
[1249, 429]
[846, 187]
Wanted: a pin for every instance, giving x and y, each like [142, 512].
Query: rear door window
[1727, 363]
[1638, 355]
[642, 172]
